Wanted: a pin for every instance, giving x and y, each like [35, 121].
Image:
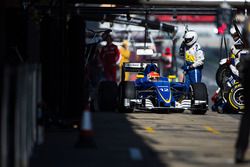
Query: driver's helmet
[151, 67]
[153, 76]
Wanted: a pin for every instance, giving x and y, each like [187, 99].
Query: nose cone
[164, 93]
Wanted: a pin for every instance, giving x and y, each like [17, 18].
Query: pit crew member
[194, 58]
[125, 55]
[235, 53]
[110, 58]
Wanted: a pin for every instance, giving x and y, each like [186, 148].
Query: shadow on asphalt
[117, 145]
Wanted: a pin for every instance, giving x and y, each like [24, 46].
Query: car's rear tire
[222, 73]
[107, 96]
[126, 91]
[199, 92]
[235, 98]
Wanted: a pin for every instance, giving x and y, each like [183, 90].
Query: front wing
[146, 104]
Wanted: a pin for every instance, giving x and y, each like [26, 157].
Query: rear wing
[133, 67]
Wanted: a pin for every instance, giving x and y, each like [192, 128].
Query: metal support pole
[39, 111]
[225, 44]
[34, 105]
[146, 30]
[4, 117]
[221, 46]
[174, 62]
[18, 121]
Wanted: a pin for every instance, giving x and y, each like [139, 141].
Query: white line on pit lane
[135, 154]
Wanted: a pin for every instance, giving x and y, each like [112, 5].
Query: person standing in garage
[110, 58]
[194, 58]
[166, 60]
[125, 55]
[244, 128]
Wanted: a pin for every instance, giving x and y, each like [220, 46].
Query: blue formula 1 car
[152, 92]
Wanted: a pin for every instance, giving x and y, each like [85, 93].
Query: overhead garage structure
[42, 75]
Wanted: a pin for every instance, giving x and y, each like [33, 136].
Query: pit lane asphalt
[145, 140]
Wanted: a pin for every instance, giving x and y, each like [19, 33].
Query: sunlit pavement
[189, 140]
[146, 139]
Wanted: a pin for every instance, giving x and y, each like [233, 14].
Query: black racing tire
[107, 96]
[126, 90]
[235, 98]
[222, 73]
[199, 92]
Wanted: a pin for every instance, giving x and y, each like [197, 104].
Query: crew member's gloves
[185, 67]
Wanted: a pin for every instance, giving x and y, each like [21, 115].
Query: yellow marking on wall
[212, 130]
[149, 129]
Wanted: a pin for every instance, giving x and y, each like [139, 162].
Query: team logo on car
[163, 89]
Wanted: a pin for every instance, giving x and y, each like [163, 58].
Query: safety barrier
[19, 112]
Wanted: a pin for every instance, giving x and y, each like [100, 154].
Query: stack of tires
[233, 95]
